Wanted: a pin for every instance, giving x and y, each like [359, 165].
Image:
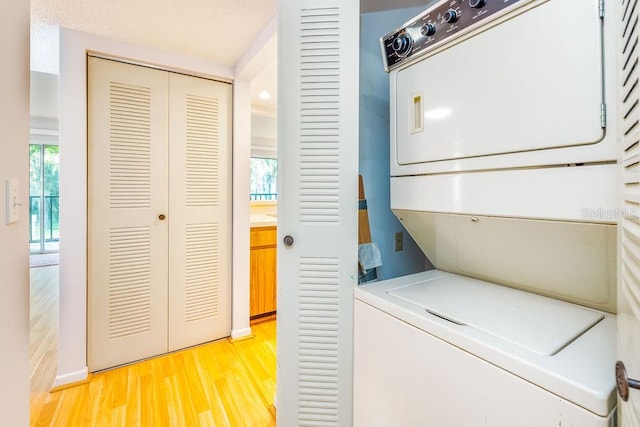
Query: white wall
[264, 136]
[44, 98]
[14, 246]
[241, 191]
[72, 364]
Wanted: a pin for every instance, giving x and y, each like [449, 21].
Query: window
[264, 173]
[44, 215]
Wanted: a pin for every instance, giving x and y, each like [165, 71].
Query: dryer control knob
[450, 16]
[402, 44]
[428, 30]
[477, 4]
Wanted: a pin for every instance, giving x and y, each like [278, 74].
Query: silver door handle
[288, 240]
[623, 382]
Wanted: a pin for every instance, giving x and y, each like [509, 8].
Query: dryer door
[533, 82]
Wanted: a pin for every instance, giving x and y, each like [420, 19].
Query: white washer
[439, 349]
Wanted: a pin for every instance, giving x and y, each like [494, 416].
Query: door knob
[161, 217]
[624, 382]
[288, 240]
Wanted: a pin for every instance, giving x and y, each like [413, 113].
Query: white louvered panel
[630, 157]
[202, 151]
[631, 265]
[130, 146]
[318, 342]
[129, 281]
[629, 126]
[201, 270]
[319, 115]
[631, 221]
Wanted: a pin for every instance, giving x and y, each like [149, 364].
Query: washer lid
[540, 324]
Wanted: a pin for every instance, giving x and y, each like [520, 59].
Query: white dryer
[503, 171]
[502, 84]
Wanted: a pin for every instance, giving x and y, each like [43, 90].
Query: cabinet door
[127, 191]
[263, 272]
[200, 213]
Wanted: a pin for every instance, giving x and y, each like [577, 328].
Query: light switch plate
[12, 192]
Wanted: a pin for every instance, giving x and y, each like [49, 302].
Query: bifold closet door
[127, 192]
[159, 201]
[200, 201]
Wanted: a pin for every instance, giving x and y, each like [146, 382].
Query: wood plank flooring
[224, 383]
[43, 339]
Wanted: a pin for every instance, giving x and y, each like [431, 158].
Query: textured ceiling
[217, 30]
[221, 31]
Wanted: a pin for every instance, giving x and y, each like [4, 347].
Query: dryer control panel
[439, 24]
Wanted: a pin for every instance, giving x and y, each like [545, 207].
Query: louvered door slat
[130, 146]
[129, 281]
[319, 277]
[629, 250]
[319, 115]
[201, 293]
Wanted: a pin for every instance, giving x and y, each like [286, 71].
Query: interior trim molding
[239, 333]
[71, 377]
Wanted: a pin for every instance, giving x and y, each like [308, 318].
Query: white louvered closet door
[159, 212]
[629, 223]
[200, 221]
[317, 206]
[127, 191]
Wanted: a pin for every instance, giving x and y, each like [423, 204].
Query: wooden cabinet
[263, 271]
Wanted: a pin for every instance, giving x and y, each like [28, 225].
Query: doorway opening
[44, 232]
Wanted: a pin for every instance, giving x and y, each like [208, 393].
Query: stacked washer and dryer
[503, 167]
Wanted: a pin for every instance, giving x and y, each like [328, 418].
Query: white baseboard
[71, 377]
[239, 333]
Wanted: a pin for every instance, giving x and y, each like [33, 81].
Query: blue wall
[374, 145]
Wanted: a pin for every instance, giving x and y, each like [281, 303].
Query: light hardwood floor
[224, 383]
[43, 338]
